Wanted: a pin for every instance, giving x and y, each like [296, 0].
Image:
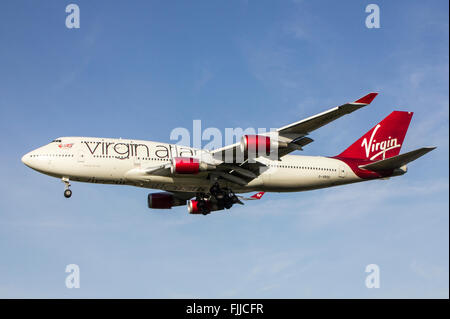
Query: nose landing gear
[67, 191]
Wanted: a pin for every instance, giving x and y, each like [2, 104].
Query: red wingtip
[367, 99]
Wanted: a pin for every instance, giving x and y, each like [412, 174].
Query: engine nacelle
[260, 144]
[194, 207]
[189, 165]
[164, 200]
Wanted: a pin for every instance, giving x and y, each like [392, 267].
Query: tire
[67, 193]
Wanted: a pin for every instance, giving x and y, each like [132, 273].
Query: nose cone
[26, 159]
[37, 161]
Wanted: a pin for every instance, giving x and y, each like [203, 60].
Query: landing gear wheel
[216, 191]
[203, 207]
[230, 198]
[228, 204]
[67, 193]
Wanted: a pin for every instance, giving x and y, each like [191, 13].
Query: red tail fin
[382, 141]
[258, 195]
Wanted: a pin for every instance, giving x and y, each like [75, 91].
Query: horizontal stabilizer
[397, 161]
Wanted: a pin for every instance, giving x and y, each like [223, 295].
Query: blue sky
[140, 69]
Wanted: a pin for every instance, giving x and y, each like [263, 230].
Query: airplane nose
[26, 159]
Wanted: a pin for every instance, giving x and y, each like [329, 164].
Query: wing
[293, 135]
[312, 123]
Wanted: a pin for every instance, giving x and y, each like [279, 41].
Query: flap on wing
[303, 141]
[232, 178]
[238, 169]
[296, 144]
[397, 161]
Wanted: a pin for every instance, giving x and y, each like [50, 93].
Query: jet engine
[202, 207]
[164, 200]
[260, 144]
[189, 165]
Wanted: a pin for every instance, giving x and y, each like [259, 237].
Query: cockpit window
[57, 141]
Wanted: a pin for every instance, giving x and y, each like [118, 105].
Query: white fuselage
[109, 161]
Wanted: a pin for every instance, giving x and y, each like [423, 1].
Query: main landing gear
[217, 199]
[224, 196]
[203, 203]
[67, 191]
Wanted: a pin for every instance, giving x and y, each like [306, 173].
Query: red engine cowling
[189, 165]
[164, 200]
[185, 165]
[256, 144]
[194, 208]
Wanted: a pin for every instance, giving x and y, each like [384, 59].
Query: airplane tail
[383, 141]
[254, 197]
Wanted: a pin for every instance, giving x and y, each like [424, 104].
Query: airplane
[208, 180]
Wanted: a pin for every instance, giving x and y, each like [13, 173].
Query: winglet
[367, 99]
[257, 195]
